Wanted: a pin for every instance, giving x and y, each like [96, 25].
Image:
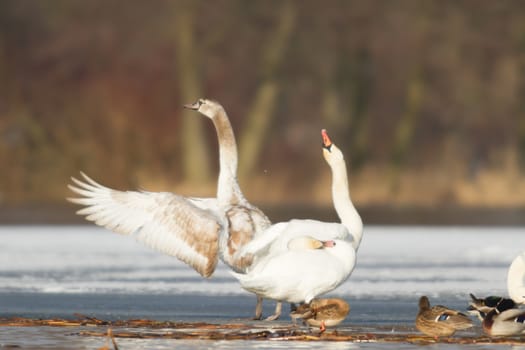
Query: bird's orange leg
[323, 327]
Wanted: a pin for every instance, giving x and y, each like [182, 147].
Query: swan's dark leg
[258, 308]
[293, 307]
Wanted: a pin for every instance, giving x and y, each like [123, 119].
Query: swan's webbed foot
[272, 317]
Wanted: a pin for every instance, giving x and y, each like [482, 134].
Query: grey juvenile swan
[195, 230]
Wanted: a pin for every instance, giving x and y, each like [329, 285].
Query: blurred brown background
[425, 98]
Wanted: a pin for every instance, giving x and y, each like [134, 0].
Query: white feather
[516, 279]
[186, 228]
[285, 274]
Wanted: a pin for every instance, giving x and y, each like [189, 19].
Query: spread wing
[187, 228]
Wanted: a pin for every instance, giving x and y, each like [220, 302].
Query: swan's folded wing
[275, 239]
[260, 244]
[185, 228]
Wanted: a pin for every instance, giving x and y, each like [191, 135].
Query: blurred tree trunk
[121, 144]
[260, 116]
[521, 137]
[12, 156]
[353, 84]
[346, 95]
[4, 83]
[195, 158]
[521, 103]
[404, 133]
[361, 90]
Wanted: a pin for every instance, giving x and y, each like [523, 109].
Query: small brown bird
[322, 313]
[438, 320]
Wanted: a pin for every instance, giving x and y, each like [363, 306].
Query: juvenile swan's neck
[228, 191]
[343, 204]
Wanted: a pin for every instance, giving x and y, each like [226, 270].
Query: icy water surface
[56, 271]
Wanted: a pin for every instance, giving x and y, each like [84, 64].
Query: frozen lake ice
[55, 271]
[392, 261]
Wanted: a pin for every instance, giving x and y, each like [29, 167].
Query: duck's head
[331, 152]
[206, 107]
[505, 304]
[485, 305]
[424, 303]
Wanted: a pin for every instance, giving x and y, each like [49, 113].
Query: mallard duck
[322, 313]
[482, 306]
[438, 320]
[504, 320]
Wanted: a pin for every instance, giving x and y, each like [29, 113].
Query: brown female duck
[322, 313]
[438, 320]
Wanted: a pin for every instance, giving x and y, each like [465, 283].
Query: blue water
[57, 271]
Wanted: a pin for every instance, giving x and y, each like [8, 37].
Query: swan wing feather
[262, 242]
[187, 228]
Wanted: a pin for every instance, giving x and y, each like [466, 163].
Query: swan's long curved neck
[343, 204]
[228, 190]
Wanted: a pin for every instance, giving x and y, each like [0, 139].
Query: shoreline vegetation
[64, 214]
[424, 98]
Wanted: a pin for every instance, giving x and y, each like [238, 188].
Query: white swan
[195, 230]
[516, 279]
[299, 260]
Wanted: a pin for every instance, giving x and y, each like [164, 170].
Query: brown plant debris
[151, 329]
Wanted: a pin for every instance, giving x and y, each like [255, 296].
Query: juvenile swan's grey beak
[194, 105]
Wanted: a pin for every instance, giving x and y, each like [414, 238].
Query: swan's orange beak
[326, 140]
[329, 244]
